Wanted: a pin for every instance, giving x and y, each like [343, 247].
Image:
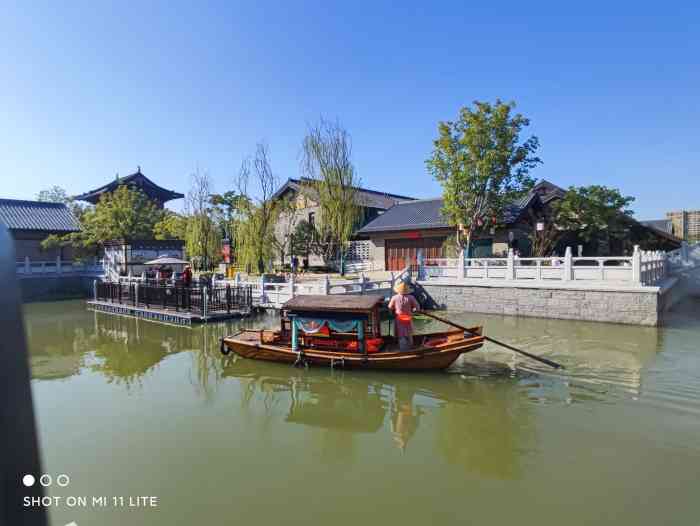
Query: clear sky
[88, 91]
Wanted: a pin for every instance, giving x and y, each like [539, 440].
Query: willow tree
[202, 233]
[482, 166]
[257, 211]
[332, 184]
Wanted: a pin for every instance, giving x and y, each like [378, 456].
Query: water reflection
[603, 362]
[469, 420]
[494, 428]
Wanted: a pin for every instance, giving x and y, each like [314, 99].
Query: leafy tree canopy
[171, 226]
[303, 239]
[122, 214]
[55, 194]
[482, 165]
[589, 212]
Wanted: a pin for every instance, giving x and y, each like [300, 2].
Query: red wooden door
[398, 251]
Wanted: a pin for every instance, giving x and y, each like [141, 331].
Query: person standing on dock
[187, 276]
[403, 304]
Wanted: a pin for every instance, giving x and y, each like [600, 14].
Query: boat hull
[249, 345]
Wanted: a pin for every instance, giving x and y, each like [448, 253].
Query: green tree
[482, 165]
[332, 184]
[55, 194]
[303, 239]
[202, 232]
[255, 231]
[171, 226]
[122, 214]
[588, 212]
[288, 216]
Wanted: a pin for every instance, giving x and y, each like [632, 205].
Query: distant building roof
[365, 196]
[664, 225]
[136, 180]
[37, 215]
[426, 213]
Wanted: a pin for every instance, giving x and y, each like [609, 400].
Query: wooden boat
[345, 331]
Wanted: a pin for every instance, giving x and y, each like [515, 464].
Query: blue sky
[89, 91]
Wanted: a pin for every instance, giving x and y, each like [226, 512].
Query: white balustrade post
[568, 265]
[262, 288]
[94, 289]
[460, 265]
[136, 294]
[326, 285]
[291, 285]
[58, 264]
[636, 266]
[510, 265]
[206, 301]
[538, 265]
[664, 265]
[362, 282]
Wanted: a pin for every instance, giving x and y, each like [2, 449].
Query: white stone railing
[684, 257]
[643, 268]
[58, 267]
[271, 294]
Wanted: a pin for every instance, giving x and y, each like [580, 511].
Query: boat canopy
[340, 313]
[365, 303]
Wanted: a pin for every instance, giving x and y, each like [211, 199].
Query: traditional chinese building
[136, 181]
[30, 222]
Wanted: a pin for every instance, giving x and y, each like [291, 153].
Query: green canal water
[131, 408]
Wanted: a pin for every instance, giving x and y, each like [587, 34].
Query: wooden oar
[502, 344]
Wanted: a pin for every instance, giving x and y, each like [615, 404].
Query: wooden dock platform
[164, 315]
[177, 305]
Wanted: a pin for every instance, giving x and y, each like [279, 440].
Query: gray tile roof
[136, 180]
[665, 225]
[365, 196]
[425, 213]
[419, 214]
[37, 215]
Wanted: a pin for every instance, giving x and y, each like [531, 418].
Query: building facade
[128, 258]
[414, 229]
[373, 203]
[686, 224]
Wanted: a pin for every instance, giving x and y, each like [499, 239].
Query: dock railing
[201, 301]
[642, 268]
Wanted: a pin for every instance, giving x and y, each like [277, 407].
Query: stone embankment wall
[637, 306]
[55, 288]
